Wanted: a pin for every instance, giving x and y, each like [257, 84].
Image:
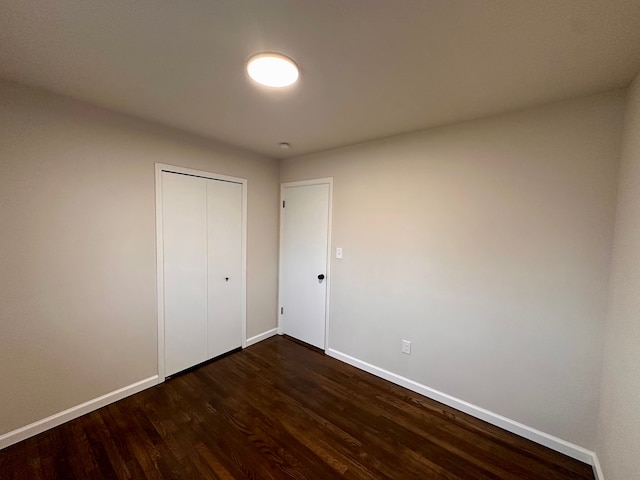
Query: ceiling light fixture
[285, 145]
[272, 70]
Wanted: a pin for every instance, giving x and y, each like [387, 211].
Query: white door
[304, 260]
[202, 225]
[184, 229]
[224, 207]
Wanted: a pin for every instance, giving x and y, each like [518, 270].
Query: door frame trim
[159, 168]
[327, 316]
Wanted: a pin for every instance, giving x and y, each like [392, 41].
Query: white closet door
[184, 225]
[224, 226]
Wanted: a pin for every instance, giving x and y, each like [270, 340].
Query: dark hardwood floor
[279, 410]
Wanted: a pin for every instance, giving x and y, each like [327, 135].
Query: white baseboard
[555, 443]
[261, 337]
[597, 469]
[74, 412]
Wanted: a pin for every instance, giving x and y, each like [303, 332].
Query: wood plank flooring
[280, 410]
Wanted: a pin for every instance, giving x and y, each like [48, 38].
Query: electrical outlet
[406, 347]
[339, 252]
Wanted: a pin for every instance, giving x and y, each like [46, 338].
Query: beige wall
[487, 244]
[619, 427]
[77, 249]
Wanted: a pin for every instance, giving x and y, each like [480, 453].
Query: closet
[201, 270]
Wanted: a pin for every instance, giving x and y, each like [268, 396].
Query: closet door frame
[161, 167]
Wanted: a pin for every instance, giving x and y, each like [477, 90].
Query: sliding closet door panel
[224, 227]
[184, 225]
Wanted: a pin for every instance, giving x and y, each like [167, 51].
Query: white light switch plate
[339, 252]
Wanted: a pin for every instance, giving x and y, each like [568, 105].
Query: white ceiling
[369, 68]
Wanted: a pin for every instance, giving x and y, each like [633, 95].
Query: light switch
[339, 252]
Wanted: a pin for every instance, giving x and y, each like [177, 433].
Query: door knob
[226, 279]
[321, 276]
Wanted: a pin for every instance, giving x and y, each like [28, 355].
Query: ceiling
[369, 68]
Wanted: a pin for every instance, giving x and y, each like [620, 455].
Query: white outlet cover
[339, 252]
[406, 347]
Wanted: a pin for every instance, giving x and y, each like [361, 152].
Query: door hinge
[283, 203]
[281, 310]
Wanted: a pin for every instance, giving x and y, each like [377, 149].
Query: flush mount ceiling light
[272, 70]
